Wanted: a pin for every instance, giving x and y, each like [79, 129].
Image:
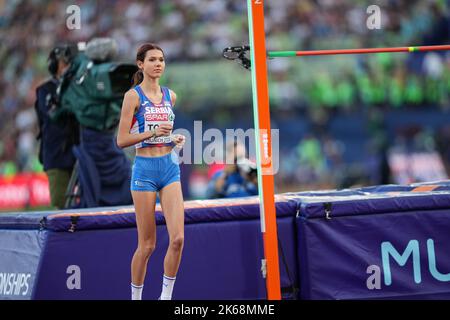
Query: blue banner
[370, 254]
[20, 253]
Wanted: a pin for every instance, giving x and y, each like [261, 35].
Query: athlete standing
[146, 121]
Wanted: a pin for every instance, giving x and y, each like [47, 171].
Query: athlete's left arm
[173, 97]
[178, 139]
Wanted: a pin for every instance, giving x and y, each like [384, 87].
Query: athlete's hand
[164, 129]
[179, 140]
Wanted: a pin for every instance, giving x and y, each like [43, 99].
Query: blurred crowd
[415, 153]
[198, 30]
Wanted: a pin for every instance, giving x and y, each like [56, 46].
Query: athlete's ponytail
[140, 56]
[138, 77]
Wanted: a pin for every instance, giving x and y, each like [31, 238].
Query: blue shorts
[154, 173]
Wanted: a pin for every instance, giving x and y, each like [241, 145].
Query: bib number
[151, 125]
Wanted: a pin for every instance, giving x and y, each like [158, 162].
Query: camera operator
[57, 138]
[92, 90]
[238, 179]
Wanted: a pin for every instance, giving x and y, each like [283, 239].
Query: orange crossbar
[274, 54]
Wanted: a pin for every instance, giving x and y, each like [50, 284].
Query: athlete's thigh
[144, 206]
[173, 208]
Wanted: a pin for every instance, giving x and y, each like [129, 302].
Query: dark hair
[140, 56]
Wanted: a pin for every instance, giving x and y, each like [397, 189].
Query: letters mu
[389, 253]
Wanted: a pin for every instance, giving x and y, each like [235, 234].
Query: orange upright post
[264, 146]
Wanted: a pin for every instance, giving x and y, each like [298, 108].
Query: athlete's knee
[147, 248]
[177, 242]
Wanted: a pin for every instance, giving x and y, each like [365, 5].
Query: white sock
[167, 288]
[136, 292]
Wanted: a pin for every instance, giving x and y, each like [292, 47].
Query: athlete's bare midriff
[153, 151]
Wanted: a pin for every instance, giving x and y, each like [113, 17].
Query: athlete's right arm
[124, 137]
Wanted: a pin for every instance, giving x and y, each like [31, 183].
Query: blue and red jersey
[150, 115]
